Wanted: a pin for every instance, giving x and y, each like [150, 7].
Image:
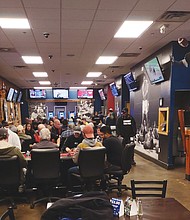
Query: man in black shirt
[126, 127]
[114, 148]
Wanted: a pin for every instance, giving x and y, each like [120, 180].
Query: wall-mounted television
[130, 81]
[60, 93]
[85, 93]
[19, 96]
[114, 89]
[10, 94]
[15, 95]
[37, 93]
[154, 70]
[102, 95]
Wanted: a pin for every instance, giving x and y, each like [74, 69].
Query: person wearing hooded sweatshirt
[88, 142]
[7, 150]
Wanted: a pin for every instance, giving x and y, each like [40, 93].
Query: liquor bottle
[139, 207]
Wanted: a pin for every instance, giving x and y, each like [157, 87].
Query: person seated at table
[6, 149]
[45, 142]
[56, 131]
[73, 140]
[114, 149]
[37, 133]
[88, 142]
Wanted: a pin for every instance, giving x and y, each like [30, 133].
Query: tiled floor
[178, 187]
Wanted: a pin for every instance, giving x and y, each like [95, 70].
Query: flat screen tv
[85, 93]
[130, 81]
[15, 95]
[101, 93]
[60, 93]
[114, 89]
[10, 94]
[37, 93]
[154, 71]
[19, 97]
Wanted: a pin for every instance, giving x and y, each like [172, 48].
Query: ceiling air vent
[21, 67]
[115, 67]
[7, 50]
[129, 54]
[174, 16]
[32, 81]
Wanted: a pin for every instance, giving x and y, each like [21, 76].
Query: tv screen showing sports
[114, 89]
[101, 93]
[60, 93]
[19, 97]
[154, 71]
[85, 94]
[10, 94]
[15, 95]
[37, 93]
[130, 81]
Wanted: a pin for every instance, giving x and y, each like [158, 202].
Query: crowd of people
[70, 136]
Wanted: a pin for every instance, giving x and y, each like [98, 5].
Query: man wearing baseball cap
[88, 142]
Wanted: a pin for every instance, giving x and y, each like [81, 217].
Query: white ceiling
[85, 29]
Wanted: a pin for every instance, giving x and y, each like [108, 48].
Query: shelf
[163, 120]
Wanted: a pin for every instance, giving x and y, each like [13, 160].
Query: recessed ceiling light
[77, 87]
[44, 82]
[32, 59]
[106, 59]
[86, 82]
[132, 29]
[43, 87]
[93, 74]
[40, 74]
[14, 23]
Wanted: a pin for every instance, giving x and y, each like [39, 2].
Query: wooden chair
[148, 188]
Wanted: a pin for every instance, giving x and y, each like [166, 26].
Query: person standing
[126, 128]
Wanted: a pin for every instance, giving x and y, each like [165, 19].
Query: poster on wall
[147, 133]
[37, 110]
[85, 109]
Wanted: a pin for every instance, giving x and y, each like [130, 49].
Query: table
[161, 209]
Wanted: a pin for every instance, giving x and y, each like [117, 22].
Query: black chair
[45, 171]
[118, 175]
[91, 166]
[8, 214]
[9, 178]
[148, 188]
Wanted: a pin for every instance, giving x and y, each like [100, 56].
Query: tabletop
[161, 209]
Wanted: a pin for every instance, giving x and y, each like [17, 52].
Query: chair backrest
[91, 162]
[148, 188]
[10, 171]
[126, 159]
[45, 163]
[8, 214]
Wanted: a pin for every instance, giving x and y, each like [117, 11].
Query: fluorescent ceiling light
[132, 29]
[40, 74]
[93, 74]
[86, 82]
[43, 87]
[14, 23]
[44, 82]
[77, 87]
[106, 59]
[32, 59]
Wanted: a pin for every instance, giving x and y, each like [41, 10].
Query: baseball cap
[77, 130]
[111, 109]
[3, 132]
[88, 131]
